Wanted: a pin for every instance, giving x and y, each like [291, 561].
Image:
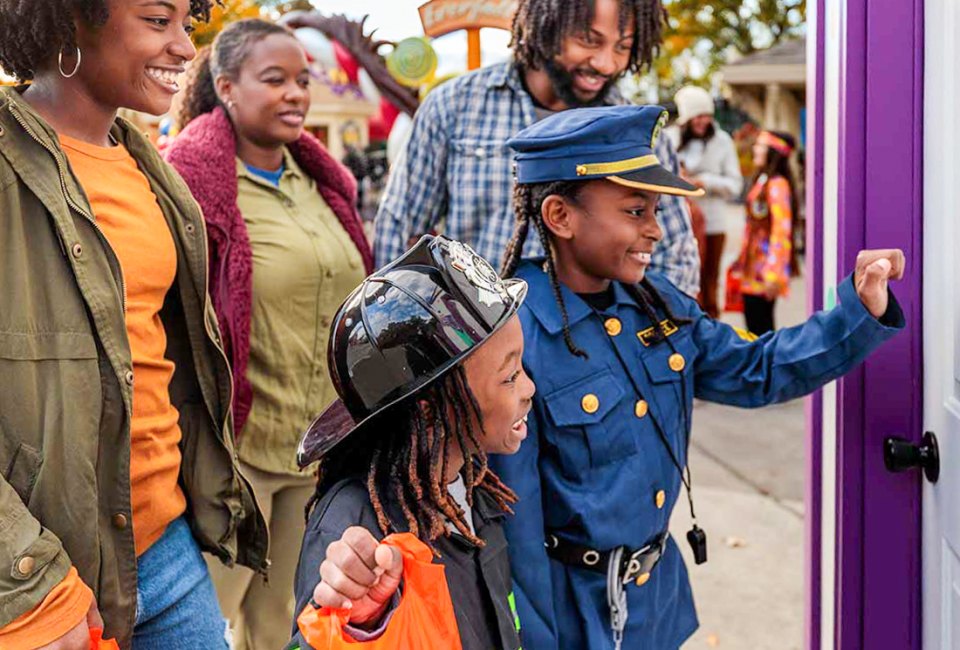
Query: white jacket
[715, 164]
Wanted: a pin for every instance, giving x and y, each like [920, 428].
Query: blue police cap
[611, 142]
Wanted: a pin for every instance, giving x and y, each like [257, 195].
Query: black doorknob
[900, 455]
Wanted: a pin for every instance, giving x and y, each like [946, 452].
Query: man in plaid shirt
[456, 169]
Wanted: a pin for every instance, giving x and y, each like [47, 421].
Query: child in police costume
[618, 356]
[426, 358]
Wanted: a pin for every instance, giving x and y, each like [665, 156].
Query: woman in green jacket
[116, 438]
[286, 248]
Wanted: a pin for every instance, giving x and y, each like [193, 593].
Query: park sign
[441, 17]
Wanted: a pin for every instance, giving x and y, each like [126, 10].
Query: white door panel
[941, 325]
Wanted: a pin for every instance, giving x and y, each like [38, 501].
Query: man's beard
[563, 86]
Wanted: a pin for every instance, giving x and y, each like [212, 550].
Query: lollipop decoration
[413, 62]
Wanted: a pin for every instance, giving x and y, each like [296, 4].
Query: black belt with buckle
[635, 566]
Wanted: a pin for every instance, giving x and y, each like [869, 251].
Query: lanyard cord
[685, 478]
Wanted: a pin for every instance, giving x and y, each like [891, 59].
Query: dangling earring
[75, 68]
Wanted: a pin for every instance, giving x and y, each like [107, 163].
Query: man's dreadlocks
[540, 27]
[527, 204]
[32, 32]
[403, 454]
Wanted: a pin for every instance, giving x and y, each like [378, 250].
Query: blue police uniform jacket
[593, 468]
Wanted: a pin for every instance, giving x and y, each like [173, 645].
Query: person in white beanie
[709, 160]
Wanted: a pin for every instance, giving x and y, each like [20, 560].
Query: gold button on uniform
[26, 565]
[590, 403]
[613, 326]
[120, 521]
[641, 409]
[643, 579]
[677, 362]
[661, 499]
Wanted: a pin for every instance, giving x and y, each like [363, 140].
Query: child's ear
[557, 216]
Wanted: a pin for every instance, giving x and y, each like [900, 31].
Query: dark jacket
[205, 155]
[66, 383]
[478, 578]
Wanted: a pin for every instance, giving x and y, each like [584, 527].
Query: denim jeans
[177, 607]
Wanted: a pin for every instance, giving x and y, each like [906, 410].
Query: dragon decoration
[363, 47]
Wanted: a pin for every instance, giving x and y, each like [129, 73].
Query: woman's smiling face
[135, 58]
[270, 98]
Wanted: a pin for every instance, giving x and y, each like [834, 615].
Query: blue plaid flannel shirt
[455, 175]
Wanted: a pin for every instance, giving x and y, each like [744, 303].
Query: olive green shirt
[304, 266]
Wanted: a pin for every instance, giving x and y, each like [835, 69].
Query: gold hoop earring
[75, 68]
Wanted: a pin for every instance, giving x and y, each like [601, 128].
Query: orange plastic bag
[733, 301]
[424, 619]
[97, 642]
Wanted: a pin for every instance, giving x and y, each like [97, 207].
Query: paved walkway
[748, 472]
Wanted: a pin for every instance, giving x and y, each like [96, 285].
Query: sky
[399, 19]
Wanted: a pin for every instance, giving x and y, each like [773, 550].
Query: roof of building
[791, 52]
[784, 64]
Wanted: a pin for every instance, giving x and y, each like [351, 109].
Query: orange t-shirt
[127, 212]
[58, 613]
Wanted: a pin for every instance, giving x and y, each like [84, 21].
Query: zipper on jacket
[205, 300]
[75, 206]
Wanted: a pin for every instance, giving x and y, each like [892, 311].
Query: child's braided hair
[403, 456]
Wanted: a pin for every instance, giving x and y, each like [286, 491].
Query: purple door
[865, 190]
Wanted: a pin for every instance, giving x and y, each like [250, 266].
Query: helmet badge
[479, 273]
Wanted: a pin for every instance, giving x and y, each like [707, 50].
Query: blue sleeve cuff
[892, 320]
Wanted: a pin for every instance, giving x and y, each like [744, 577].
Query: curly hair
[32, 32]
[224, 57]
[541, 26]
[403, 456]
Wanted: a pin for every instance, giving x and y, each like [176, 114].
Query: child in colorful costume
[767, 260]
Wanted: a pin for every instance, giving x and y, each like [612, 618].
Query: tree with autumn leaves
[228, 11]
[702, 35]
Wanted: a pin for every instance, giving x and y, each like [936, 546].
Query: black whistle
[698, 543]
